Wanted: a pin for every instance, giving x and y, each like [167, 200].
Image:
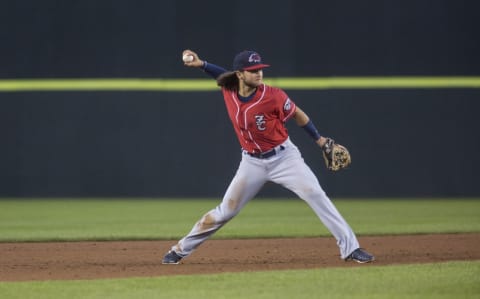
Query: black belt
[266, 155]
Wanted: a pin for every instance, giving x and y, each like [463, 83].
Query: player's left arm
[336, 156]
[302, 120]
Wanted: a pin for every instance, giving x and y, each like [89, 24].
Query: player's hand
[196, 62]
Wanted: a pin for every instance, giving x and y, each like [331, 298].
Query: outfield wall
[403, 142]
[56, 141]
[126, 38]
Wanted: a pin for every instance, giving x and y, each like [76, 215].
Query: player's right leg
[249, 179]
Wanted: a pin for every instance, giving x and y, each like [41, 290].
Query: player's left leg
[292, 173]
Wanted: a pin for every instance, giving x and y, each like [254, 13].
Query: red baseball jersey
[260, 122]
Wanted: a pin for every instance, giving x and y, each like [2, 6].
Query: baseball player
[258, 113]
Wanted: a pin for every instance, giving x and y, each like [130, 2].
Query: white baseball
[187, 58]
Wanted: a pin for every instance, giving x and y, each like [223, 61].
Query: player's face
[252, 78]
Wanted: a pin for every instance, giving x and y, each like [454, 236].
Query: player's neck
[246, 90]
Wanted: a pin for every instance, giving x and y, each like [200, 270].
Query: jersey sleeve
[286, 106]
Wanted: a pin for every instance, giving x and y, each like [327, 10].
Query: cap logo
[254, 58]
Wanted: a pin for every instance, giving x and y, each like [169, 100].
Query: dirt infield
[93, 260]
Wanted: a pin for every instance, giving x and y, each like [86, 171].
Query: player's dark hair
[228, 80]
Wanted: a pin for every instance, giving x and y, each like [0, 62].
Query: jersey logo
[260, 121]
[288, 105]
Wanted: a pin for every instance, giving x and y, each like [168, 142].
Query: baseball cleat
[171, 258]
[360, 256]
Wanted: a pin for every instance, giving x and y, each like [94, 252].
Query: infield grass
[134, 219]
[453, 280]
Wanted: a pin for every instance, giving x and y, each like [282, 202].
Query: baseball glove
[336, 156]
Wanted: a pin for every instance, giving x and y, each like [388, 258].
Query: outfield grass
[82, 219]
[454, 280]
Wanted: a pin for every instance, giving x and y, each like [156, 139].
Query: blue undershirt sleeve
[311, 130]
[213, 70]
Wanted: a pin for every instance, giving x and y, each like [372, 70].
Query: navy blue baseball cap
[248, 61]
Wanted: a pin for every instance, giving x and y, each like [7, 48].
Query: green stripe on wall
[377, 82]
[11, 85]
